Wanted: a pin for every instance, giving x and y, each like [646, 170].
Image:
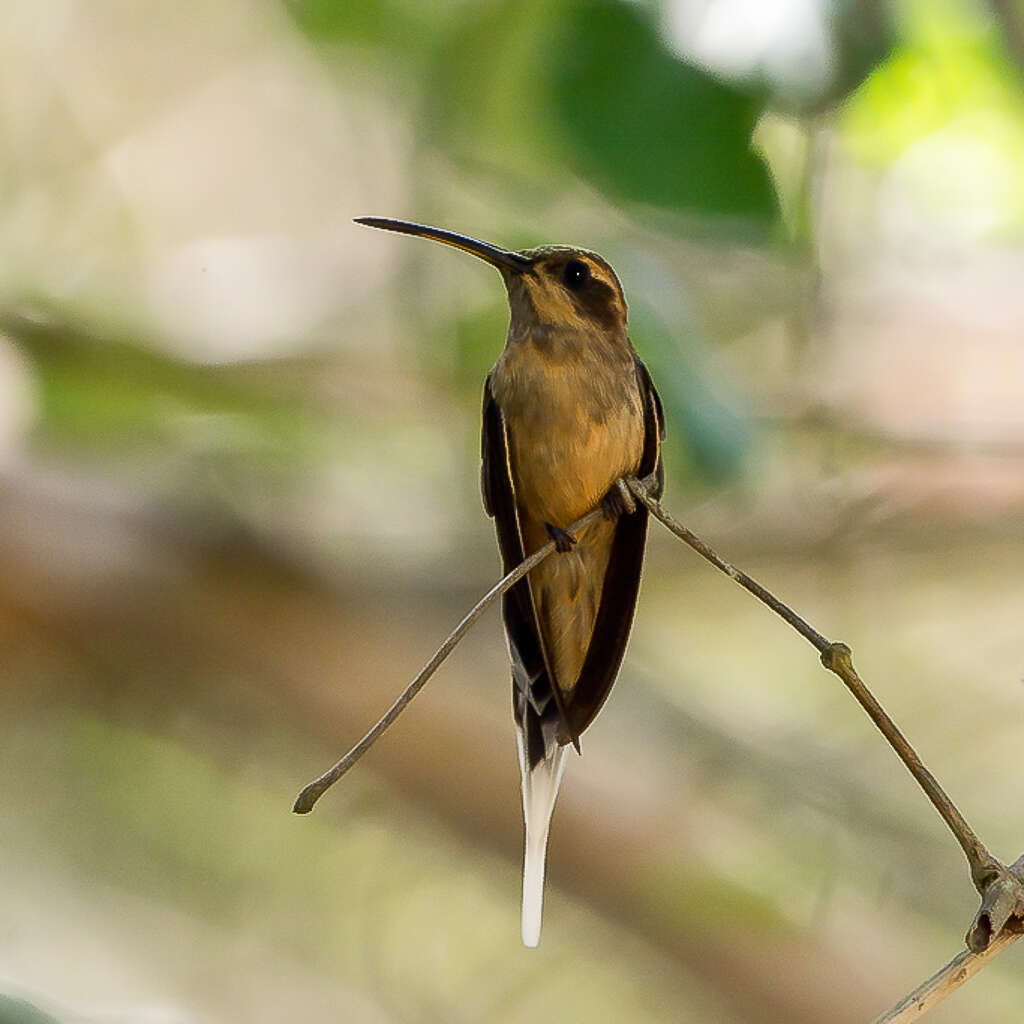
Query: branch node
[1000, 919]
[1002, 906]
[838, 658]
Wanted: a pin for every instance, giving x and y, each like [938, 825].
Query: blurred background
[239, 503]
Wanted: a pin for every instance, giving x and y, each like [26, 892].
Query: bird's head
[552, 289]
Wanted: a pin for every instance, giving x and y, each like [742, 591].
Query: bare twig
[1000, 919]
[310, 794]
[1001, 916]
[1002, 906]
[836, 657]
[640, 492]
[961, 968]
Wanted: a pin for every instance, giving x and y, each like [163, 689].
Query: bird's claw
[564, 540]
[618, 501]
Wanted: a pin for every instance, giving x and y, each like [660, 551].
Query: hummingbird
[568, 410]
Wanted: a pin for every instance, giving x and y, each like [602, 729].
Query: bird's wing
[622, 579]
[537, 704]
[654, 426]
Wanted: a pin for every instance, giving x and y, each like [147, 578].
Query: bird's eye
[575, 275]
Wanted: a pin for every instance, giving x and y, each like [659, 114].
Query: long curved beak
[503, 259]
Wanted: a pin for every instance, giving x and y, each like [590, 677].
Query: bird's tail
[540, 788]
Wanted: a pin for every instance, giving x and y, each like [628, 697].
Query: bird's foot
[618, 501]
[564, 540]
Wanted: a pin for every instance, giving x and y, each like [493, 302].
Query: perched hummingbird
[568, 409]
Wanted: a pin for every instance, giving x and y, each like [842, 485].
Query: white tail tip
[533, 890]
[540, 787]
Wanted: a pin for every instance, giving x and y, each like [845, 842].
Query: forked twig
[964, 966]
[837, 658]
[1001, 917]
[305, 801]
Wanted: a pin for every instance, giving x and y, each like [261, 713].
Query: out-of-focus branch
[1009, 18]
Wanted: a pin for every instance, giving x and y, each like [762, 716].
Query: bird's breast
[575, 424]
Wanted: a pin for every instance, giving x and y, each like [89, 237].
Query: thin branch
[836, 657]
[310, 794]
[1002, 906]
[961, 968]
[1000, 919]
[640, 492]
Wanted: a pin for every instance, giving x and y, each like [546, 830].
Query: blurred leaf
[373, 22]
[950, 65]
[588, 85]
[486, 99]
[111, 393]
[17, 1011]
[947, 98]
[646, 127]
[478, 340]
[704, 435]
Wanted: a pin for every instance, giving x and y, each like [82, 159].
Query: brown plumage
[568, 410]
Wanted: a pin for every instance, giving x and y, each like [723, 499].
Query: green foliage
[644, 126]
[589, 87]
[114, 393]
[950, 94]
[18, 1011]
[487, 101]
[706, 436]
[950, 64]
[368, 22]
[478, 338]
[540, 87]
